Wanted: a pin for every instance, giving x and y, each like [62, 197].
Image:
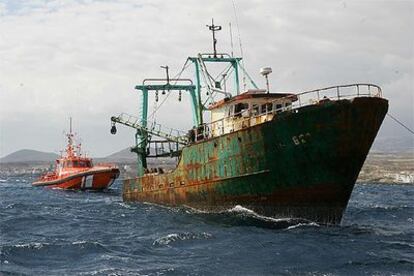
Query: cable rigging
[240, 43]
[400, 123]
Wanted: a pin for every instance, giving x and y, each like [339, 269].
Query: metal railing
[337, 93]
[332, 93]
[151, 127]
[248, 118]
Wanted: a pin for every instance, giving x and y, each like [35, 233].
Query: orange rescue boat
[77, 172]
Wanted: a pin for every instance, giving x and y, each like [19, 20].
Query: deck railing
[247, 118]
[338, 92]
[305, 98]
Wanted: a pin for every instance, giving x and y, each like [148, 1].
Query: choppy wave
[48, 232]
[34, 245]
[170, 238]
[299, 225]
[126, 205]
[47, 246]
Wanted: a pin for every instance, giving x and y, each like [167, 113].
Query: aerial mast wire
[231, 40]
[240, 43]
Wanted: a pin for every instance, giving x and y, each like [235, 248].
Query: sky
[82, 59]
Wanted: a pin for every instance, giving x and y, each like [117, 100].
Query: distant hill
[393, 144]
[124, 155]
[27, 155]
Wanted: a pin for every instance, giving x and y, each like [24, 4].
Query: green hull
[302, 164]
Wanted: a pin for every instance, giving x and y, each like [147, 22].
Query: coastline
[379, 167]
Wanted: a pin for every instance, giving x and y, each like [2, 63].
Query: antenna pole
[267, 84]
[168, 75]
[70, 125]
[214, 29]
[231, 40]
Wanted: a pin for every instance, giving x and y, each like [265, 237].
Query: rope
[224, 71]
[400, 123]
[240, 43]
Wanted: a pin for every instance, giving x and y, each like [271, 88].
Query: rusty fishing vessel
[283, 155]
[77, 172]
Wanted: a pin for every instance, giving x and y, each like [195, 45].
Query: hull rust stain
[301, 164]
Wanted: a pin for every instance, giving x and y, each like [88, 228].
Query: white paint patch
[88, 181]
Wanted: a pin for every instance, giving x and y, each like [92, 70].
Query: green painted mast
[142, 136]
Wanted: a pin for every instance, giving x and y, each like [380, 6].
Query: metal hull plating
[301, 164]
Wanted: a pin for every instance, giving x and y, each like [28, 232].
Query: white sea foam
[125, 205]
[246, 211]
[241, 209]
[166, 240]
[103, 271]
[10, 206]
[79, 242]
[314, 224]
[82, 242]
[33, 245]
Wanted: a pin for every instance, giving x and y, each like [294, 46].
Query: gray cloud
[82, 59]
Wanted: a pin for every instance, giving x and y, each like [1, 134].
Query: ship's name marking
[301, 138]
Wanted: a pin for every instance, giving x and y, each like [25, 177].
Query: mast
[214, 29]
[142, 136]
[203, 79]
[69, 147]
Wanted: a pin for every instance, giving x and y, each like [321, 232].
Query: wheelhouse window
[288, 105]
[85, 164]
[240, 108]
[267, 108]
[278, 107]
[255, 110]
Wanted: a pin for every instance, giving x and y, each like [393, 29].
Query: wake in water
[242, 216]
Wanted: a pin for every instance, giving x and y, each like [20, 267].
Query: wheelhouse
[247, 109]
[77, 163]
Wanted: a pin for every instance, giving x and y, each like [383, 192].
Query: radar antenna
[214, 29]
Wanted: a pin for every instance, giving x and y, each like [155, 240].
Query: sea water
[56, 232]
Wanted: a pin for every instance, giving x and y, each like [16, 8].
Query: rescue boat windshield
[77, 164]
